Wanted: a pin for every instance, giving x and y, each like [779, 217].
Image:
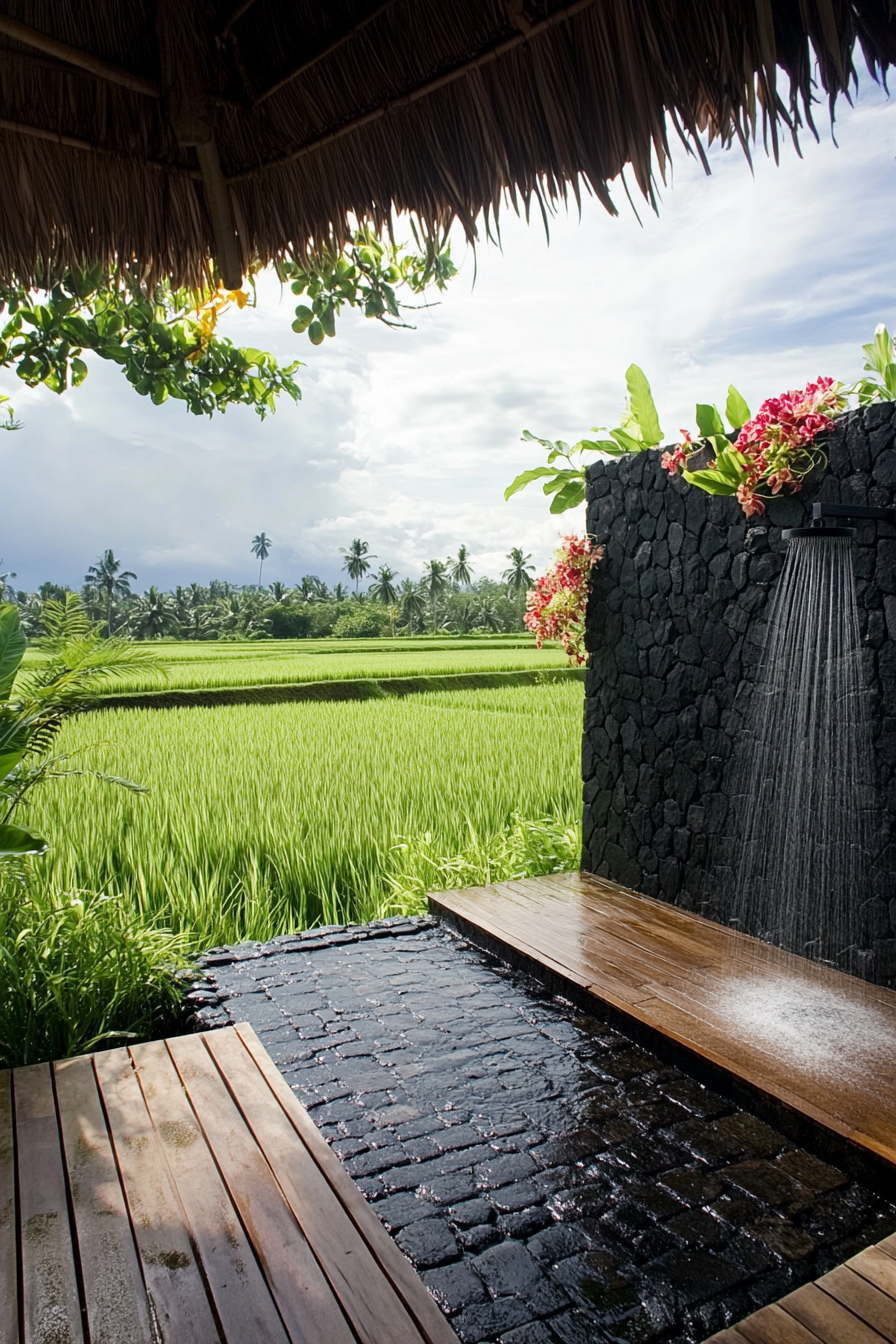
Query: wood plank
[51, 1306]
[9, 1288]
[872, 1306]
[877, 1267]
[826, 1318]
[432, 1324]
[114, 1293]
[368, 1299]
[181, 1310]
[243, 1303]
[771, 1325]
[306, 1302]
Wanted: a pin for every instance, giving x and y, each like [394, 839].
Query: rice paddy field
[208, 665]
[262, 819]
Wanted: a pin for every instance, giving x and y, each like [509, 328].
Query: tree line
[447, 598]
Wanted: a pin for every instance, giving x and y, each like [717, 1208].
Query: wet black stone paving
[550, 1180]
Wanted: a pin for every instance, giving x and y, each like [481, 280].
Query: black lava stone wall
[676, 624]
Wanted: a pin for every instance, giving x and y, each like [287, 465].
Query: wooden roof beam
[325, 51]
[85, 60]
[422, 91]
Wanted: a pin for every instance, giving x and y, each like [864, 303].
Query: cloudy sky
[407, 439]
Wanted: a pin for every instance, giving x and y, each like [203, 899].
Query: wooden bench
[818, 1044]
[178, 1193]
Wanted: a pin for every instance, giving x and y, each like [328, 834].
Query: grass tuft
[80, 971]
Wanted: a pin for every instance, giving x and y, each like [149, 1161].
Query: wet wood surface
[853, 1304]
[178, 1193]
[821, 1042]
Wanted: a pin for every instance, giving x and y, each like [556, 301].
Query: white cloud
[408, 438]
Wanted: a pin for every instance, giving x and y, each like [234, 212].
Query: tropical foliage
[366, 275]
[34, 705]
[165, 340]
[757, 459]
[444, 600]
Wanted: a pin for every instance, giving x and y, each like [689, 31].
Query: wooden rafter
[112, 74]
[383, 109]
[89, 146]
[325, 51]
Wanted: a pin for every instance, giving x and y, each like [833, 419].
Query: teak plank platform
[853, 1304]
[817, 1044]
[178, 1193]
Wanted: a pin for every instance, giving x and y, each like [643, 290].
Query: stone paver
[553, 1182]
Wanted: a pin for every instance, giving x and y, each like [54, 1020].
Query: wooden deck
[854, 1304]
[819, 1044]
[177, 1193]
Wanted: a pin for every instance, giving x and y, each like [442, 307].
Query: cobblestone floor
[550, 1180]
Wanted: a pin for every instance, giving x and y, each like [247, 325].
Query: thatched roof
[174, 130]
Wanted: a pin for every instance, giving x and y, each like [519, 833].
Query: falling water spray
[803, 774]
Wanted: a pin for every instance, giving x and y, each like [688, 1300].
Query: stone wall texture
[676, 626]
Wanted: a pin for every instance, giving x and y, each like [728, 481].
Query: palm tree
[154, 615]
[339, 594]
[461, 570]
[109, 580]
[3, 584]
[383, 589]
[517, 577]
[312, 588]
[357, 560]
[278, 591]
[261, 547]
[435, 581]
[412, 603]
[487, 616]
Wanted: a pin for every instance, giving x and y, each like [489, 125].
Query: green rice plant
[79, 971]
[264, 819]
[201, 666]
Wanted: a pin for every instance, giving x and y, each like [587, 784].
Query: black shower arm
[821, 511]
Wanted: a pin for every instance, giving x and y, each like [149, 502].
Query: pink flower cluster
[776, 443]
[555, 607]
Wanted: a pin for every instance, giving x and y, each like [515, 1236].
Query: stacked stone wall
[676, 626]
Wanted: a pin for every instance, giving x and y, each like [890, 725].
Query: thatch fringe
[323, 113]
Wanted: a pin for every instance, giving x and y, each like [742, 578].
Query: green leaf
[572, 494]
[315, 333]
[737, 412]
[328, 320]
[732, 465]
[12, 647]
[643, 407]
[710, 481]
[8, 762]
[596, 446]
[16, 840]
[560, 481]
[525, 478]
[709, 421]
[626, 443]
[79, 372]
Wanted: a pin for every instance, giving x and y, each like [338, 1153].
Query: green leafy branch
[366, 275]
[640, 429]
[164, 342]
